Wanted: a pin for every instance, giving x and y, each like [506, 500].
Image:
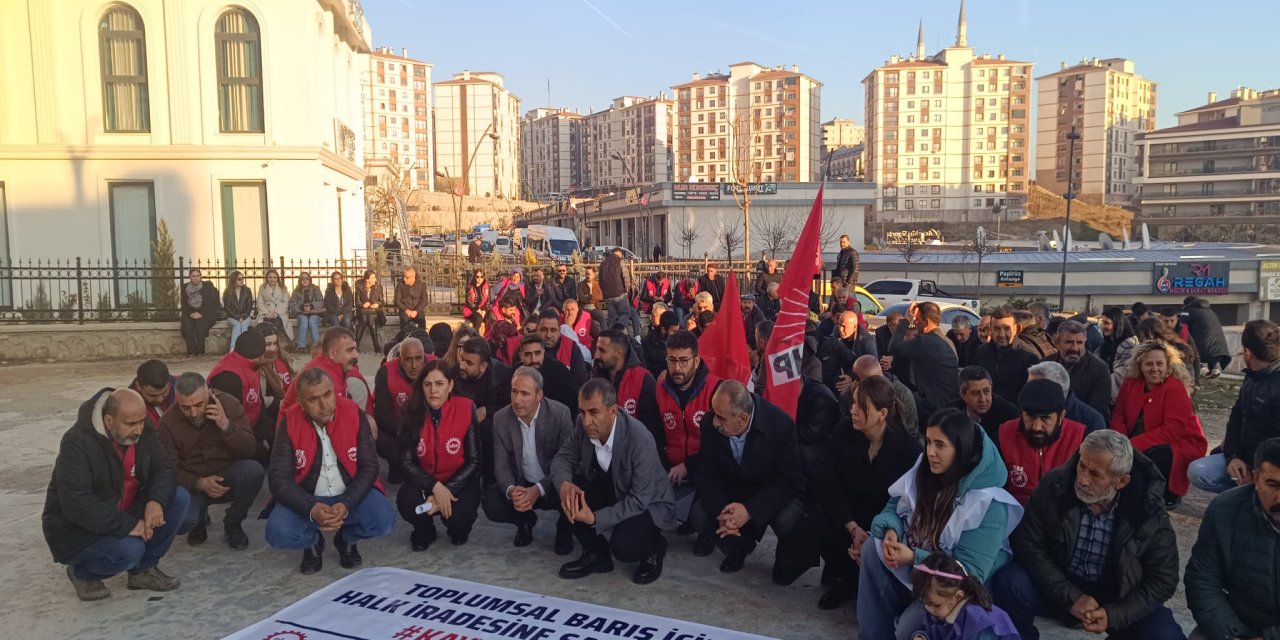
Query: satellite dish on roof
[1105, 242]
[1125, 231]
[1146, 237]
[1066, 232]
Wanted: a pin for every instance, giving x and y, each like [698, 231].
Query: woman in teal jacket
[953, 501]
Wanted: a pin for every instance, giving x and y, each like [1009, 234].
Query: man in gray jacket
[527, 434]
[610, 478]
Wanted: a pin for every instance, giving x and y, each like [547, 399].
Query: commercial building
[397, 125]
[1216, 175]
[477, 130]
[629, 144]
[753, 124]
[116, 116]
[550, 152]
[948, 134]
[1109, 105]
[838, 133]
[847, 163]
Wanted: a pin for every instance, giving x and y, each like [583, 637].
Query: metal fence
[87, 290]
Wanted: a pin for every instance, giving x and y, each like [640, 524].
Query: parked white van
[556, 243]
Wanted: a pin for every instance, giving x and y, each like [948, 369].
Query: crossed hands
[1092, 614]
[574, 502]
[152, 519]
[897, 554]
[329, 517]
[732, 519]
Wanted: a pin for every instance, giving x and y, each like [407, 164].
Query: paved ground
[223, 591]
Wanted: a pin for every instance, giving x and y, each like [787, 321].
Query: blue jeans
[245, 479]
[619, 309]
[108, 555]
[372, 518]
[885, 606]
[1210, 474]
[1013, 590]
[237, 327]
[332, 320]
[308, 323]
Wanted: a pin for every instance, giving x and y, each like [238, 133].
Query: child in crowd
[959, 607]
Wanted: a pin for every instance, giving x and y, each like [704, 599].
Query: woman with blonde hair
[1154, 410]
[273, 303]
[463, 333]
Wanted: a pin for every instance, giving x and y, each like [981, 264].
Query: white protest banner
[394, 604]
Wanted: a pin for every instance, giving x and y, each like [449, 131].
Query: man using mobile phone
[212, 447]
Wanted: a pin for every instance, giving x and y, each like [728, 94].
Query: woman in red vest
[476, 306]
[440, 459]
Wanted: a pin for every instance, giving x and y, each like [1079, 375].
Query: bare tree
[730, 238]
[909, 249]
[385, 198]
[742, 170]
[981, 246]
[778, 230]
[687, 235]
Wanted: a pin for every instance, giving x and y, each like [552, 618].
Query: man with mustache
[1231, 578]
[113, 504]
[1095, 547]
[1040, 440]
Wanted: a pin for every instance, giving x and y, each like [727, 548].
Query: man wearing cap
[752, 316]
[236, 374]
[1040, 440]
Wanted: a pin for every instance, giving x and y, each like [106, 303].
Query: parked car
[949, 312]
[432, 246]
[555, 243]
[891, 291]
[596, 252]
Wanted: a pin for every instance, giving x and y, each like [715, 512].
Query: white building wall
[57, 163]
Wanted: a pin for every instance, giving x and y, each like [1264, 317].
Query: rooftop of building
[389, 53]
[1206, 125]
[1092, 64]
[1158, 252]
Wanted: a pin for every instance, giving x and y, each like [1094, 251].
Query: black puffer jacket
[1255, 416]
[1206, 332]
[1007, 366]
[88, 479]
[1143, 563]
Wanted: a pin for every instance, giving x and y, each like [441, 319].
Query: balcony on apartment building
[1213, 147]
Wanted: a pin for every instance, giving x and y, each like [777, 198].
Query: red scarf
[250, 383]
[400, 388]
[440, 448]
[130, 489]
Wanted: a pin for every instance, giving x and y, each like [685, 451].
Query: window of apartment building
[889, 205]
[122, 53]
[891, 92]
[909, 204]
[911, 119]
[238, 49]
[909, 190]
[935, 204]
[922, 203]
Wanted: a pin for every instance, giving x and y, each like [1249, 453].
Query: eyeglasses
[681, 362]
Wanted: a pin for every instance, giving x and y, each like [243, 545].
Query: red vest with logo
[512, 355]
[655, 292]
[629, 388]
[582, 328]
[343, 431]
[475, 297]
[686, 292]
[130, 489]
[250, 383]
[335, 373]
[1026, 464]
[684, 424]
[398, 386]
[282, 370]
[440, 447]
[565, 353]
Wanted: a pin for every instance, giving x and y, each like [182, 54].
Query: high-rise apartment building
[628, 144]
[838, 133]
[477, 130]
[397, 118]
[1216, 175]
[550, 152]
[766, 120]
[948, 134]
[1109, 105]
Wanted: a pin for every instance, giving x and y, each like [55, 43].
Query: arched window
[239, 50]
[122, 51]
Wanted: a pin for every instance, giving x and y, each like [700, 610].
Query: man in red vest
[323, 475]
[155, 385]
[393, 387]
[557, 347]
[1040, 440]
[581, 323]
[338, 355]
[684, 397]
[237, 375]
[616, 361]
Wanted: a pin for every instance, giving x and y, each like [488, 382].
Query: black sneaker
[313, 558]
[235, 536]
[348, 554]
[200, 533]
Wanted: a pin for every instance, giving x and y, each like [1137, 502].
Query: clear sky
[592, 51]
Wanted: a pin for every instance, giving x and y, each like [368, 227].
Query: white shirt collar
[533, 420]
[608, 444]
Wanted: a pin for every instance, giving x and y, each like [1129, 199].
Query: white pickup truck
[890, 291]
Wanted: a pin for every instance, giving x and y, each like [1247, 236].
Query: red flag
[785, 351]
[723, 345]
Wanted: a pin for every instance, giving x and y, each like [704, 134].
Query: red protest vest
[354, 374]
[655, 293]
[1027, 465]
[685, 292]
[629, 388]
[250, 382]
[130, 489]
[511, 355]
[440, 446]
[335, 373]
[684, 424]
[343, 431]
[565, 353]
[582, 328]
[475, 297]
[282, 370]
[399, 387]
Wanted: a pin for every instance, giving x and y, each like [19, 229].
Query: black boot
[359, 334]
[650, 568]
[313, 558]
[377, 339]
[841, 591]
[348, 555]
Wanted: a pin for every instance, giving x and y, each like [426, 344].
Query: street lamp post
[458, 192]
[1070, 195]
[636, 189]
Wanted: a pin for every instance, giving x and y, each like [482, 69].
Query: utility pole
[1070, 195]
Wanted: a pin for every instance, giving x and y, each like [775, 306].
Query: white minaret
[962, 39]
[920, 41]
